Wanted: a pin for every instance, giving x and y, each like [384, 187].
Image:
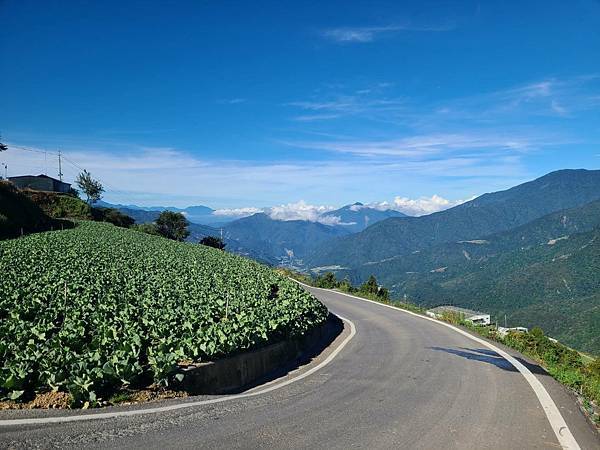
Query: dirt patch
[129, 397]
[45, 400]
[62, 400]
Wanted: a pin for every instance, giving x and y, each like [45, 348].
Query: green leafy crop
[98, 307]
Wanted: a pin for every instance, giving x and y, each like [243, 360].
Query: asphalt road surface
[400, 382]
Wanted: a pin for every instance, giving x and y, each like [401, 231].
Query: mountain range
[487, 214]
[275, 242]
[356, 217]
[195, 214]
[531, 253]
[278, 242]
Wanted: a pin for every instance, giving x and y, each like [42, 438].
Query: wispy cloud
[547, 97]
[370, 34]
[368, 102]
[148, 176]
[421, 147]
[359, 34]
[233, 101]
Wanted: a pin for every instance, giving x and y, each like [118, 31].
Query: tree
[383, 293]
[93, 189]
[172, 225]
[370, 286]
[327, 281]
[3, 146]
[346, 286]
[213, 241]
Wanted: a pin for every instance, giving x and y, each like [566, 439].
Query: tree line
[369, 288]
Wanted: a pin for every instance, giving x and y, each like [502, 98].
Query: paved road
[401, 382]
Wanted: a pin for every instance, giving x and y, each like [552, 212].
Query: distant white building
[502, 331]
[476, 317]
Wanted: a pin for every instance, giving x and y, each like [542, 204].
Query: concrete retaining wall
[236, 372]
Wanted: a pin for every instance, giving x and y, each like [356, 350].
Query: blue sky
[255, 104]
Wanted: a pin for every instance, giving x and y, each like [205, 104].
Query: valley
[528, 253]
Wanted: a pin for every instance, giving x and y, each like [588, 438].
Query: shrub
[113, 216]
[60, 206]
[148, 228]
[212, 241]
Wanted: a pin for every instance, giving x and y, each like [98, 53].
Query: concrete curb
[236, 373]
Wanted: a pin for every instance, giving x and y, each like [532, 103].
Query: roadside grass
[579, 372]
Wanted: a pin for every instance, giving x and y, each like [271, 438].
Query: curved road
[401, 382]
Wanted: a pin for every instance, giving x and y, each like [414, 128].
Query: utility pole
[5, 170]
[60, 174]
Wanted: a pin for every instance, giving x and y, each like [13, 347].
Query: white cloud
[285, 212]
[413, 207]
[314, 213]
[424, 205]
[147, 176]
[301, 211]
[237, 212]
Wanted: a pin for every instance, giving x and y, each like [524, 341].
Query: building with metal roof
[476, 317]
[40, 183]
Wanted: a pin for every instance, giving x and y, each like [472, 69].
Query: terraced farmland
[97, 307]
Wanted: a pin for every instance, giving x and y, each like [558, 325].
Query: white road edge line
[557, 422]
[139, 412]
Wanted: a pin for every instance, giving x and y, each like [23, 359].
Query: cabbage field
[97, 307]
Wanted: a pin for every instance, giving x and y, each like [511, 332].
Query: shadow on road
[479, 354]
[534, 368]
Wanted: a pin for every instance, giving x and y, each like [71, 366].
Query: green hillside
[59, 205]
[97, 307]
[487, 214]
[518, 272]
[554, 285]
[466, 255]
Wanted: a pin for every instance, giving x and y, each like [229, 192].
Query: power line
[61, 156]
